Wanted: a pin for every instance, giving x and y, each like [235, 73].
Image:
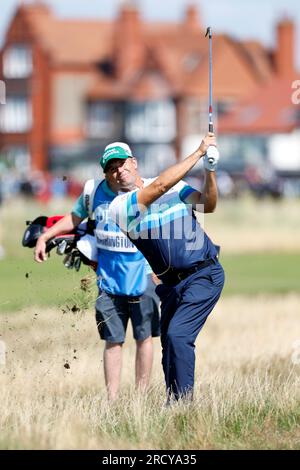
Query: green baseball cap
[113, 151]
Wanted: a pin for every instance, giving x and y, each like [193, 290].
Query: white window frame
[16, 115]
[17, 61]
[151, 121]
[100, 119]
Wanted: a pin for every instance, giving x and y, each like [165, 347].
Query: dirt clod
[75, 309]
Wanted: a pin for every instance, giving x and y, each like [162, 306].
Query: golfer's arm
[64, 225]
[205, 201]
[167, 179]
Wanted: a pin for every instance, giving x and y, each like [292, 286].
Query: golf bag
[78, 246]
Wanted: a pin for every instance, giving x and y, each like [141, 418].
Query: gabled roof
[152, 80]
[233, 76]
[183, 64]
[259, 59]
[185, 49]
[269, 110]
[69, 41]
[179, 53]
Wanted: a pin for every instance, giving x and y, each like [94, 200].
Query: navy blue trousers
[184, 310]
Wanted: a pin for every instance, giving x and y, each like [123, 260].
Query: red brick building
[72, 86]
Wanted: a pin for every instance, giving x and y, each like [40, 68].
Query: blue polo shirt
[121, 267]
[167, 232]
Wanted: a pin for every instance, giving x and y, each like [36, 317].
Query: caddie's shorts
[114, 311]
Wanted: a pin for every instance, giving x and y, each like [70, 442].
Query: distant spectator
[264, 181]
[74, 187]
[42, 183]
[225, 184]
[26, 188]
[1, 192]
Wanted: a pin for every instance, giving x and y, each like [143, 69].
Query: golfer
[159, 219]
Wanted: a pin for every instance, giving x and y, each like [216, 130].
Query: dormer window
[191, 61]
[151, 121]
[17, 61]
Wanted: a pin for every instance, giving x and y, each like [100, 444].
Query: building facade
[73, 86]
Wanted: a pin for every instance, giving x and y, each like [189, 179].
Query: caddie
[124, 277]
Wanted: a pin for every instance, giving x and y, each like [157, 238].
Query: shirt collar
[110, 192]
[107, 189]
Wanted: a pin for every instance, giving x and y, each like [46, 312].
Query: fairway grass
[25, 283]
[246, 396]
[258, 273]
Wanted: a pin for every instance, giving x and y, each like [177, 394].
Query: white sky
[255, 19]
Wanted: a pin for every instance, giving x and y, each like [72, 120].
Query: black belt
[132, 299]
[174, 276]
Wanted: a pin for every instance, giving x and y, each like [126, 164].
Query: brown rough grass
[246, 396]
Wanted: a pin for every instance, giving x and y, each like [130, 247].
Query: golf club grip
[211, 159]
[210, 129]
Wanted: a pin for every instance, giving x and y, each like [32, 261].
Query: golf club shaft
[210, 108]
[210, 124]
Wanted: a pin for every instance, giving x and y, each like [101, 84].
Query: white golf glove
[211, 158]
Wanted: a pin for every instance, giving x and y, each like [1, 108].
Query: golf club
[210, 109]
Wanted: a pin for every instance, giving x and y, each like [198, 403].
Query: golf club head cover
[211, 158]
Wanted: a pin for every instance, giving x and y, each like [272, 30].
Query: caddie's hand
[208, 140]
[40, 250]
[211, 158]
[155, 279]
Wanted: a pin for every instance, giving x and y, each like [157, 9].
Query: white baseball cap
[113, 151]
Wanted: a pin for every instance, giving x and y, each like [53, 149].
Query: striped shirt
[167, 232]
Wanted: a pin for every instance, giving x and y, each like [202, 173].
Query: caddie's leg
[112, 318]
[143, 363]
[142, 313]
[112, 360]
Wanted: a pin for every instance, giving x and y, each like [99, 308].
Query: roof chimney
[284, 55]
[191, 18]
[129, 45]
[38, 6]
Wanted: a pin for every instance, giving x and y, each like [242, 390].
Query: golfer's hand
[208, 140]
[211, 158]
[40, 250]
